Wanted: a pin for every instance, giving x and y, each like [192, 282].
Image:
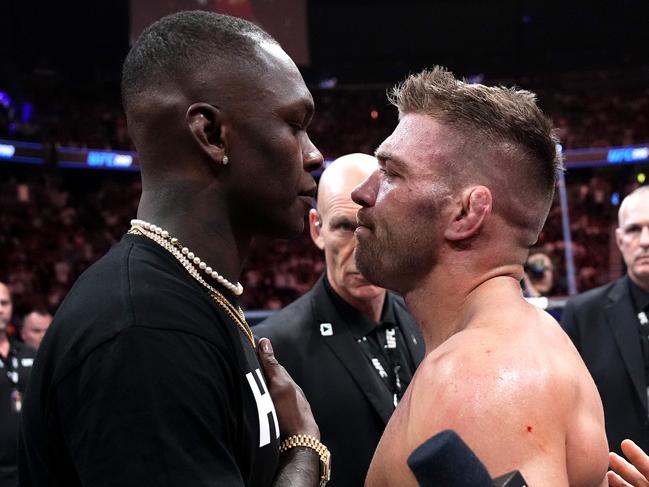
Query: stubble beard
[394, 263]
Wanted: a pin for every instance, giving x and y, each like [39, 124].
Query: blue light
[5, 101]
[27, 112]
[108, 159]
[7, 151]
[615, 199]
[628, 154]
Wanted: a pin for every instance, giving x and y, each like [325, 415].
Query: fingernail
[266, 347]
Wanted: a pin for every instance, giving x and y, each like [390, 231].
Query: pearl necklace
[237, 288]
[172, 245]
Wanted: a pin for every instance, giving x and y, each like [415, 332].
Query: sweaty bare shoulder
[520, 397]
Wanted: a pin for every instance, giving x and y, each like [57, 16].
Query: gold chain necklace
[236, 314]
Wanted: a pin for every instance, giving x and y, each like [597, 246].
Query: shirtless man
[464, 186]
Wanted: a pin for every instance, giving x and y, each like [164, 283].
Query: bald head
[632, 236]
[641, 193]
[341, 177]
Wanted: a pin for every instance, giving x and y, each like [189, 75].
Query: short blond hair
[507, 120]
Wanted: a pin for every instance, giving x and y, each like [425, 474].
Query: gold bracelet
[316, 445]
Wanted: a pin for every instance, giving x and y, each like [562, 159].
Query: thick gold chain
[236, 314]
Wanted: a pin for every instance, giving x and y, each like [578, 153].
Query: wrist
[305, 442]
[307, 429]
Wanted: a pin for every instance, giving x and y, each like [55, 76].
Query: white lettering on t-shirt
[265, 406]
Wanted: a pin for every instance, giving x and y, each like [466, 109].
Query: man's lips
[363, 221]
[357, 275]
[307, 196]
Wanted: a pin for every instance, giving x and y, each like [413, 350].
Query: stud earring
[225, 160]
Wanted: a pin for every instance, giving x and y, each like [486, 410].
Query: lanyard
[644, 345]
[11, 366]
[387, 341]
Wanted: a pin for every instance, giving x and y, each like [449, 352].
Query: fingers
[627, 474]
[637, 457]
[266, 355]
[614, 480]
[293, 410]
[279, 381]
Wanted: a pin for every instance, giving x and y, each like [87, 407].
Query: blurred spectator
[55, 222]
[15, 365]
[539, 275]
[6, 308]
[34, 326]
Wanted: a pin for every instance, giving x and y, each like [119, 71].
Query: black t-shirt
[143, 380]
[14, 374]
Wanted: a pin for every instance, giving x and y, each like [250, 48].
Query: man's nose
[644, 236]
[312, 157]
[365, 193]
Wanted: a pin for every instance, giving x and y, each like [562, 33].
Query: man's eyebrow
[632, 226]
[385, 155]
[337, 220]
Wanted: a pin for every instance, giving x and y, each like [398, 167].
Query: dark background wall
[358, 41]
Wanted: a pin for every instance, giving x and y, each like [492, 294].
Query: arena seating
[54, 221]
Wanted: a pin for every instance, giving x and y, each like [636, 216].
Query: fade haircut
[505, 120]
[184, 42]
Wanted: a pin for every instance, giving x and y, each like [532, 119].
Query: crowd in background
[54, 222]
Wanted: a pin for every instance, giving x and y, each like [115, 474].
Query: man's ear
[469, 218]
[315, 226]
[619, 235]
[205, 124]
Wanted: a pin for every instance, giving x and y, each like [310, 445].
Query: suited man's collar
[639, 296]
[359, 324]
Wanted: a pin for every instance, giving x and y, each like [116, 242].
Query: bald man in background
[350, 345]
[609, 328]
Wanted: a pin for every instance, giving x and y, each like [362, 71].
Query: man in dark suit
[609, 327]
[350, 345]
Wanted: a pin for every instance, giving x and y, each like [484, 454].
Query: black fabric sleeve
[569, 323]
[152, 407]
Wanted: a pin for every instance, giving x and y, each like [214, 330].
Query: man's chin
[366, 292]
[371, 280]
[641, 274]
[285, 229]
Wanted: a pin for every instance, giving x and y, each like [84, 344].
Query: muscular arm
[298, 466]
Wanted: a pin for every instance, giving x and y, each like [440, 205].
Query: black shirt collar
[640, 297]
[359, 324]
